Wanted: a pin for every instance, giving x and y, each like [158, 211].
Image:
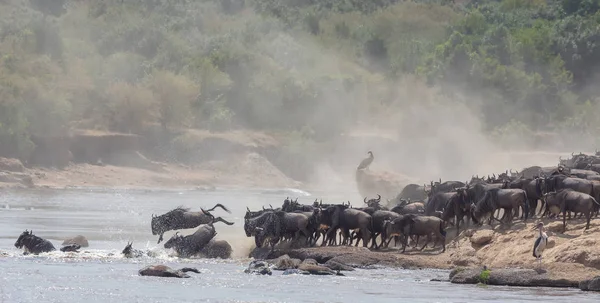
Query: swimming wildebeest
[183, 218]
[190, 245]
[130, 252]
[165, 271]
[33, 244]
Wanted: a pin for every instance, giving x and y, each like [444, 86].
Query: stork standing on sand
[540, 243]
[366, 162]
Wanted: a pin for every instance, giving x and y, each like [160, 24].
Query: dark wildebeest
[410, 225]
[190, 245]
[130, 252]
[33, 244]
[533, 188]
[272, 229]
[457, 207]
[293, 205]
[406, 207]
[570, 200]
[165, 271]
[508, 199]
[411, 192]
[183, 218]
[437, 202]
[346, 219]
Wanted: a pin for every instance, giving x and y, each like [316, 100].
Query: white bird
[540, 243]
[366, 162]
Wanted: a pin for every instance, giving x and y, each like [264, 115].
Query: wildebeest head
[176, 240]
[22, 238]
[128, 249]
[373, 202]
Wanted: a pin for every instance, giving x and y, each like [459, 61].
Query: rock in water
[79, 240]
[285, 262]
[217, 249]
[165, 271]
[591, 285]
[258, 268]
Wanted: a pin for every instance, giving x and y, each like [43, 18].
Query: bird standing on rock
[540, 243]
[366, 162]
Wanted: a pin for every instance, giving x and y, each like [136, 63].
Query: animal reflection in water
[183, 218]
[33, 244]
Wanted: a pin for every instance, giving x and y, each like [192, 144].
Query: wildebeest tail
[442, 231]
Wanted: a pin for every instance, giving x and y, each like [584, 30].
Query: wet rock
[357, 260]
[509, 277]
[335, 265]
[482, 237]
[70, 248]
[165, 271]
[264, 253]
[294, 271]
[285, 262]
[310, 262]
[318, 270]
[79, 240]
[217, 249]
[258, 268]
[590, 285]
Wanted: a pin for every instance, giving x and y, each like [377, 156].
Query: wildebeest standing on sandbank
[570, 200]
[183, 218]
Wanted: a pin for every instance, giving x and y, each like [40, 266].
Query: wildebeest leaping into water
[183, 218]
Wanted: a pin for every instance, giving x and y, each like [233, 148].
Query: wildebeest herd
[570, 188]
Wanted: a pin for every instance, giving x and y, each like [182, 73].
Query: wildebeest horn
[176, 234]
[365, 199]
[263, 207]
[379, 197]
[271, 206]
[248, 209]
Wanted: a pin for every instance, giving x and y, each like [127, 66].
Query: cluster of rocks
[296, 266]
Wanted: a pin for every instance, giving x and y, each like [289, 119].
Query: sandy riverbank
[240, 171]
[572, 256]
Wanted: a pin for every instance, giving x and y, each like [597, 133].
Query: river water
[110, 218]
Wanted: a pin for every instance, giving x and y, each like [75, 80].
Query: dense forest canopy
[303, 67]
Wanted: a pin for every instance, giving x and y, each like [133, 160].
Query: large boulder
[590, 285]
[79, 240]
[217, 249]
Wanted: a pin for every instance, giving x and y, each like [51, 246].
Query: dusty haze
[335, 110]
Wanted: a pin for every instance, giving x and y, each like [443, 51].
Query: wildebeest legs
[221, 206]
[219, 219]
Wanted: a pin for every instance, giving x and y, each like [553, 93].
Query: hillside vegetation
[306, 69]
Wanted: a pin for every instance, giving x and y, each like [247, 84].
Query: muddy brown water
[110, 218]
